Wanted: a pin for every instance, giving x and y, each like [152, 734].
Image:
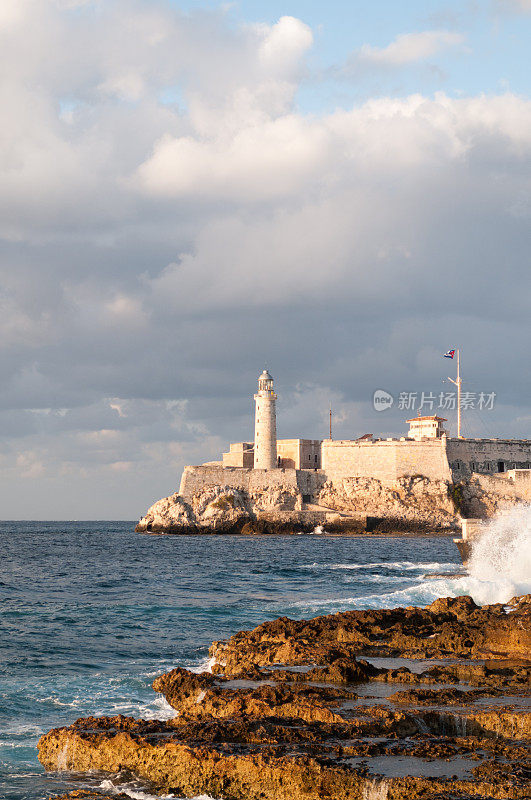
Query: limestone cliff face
[410, 498]
[338, 504]
[213, 509]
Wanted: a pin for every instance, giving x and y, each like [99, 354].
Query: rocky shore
[293, 502]
[414, 505]
[414, 703]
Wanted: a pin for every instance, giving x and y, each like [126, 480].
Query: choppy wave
[499, 569]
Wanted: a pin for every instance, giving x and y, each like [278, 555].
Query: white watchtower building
[265, 424]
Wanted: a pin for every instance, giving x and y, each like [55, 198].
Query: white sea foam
[419, 566]
[158, 709]
[501, 557]
[204, 666]
[500, 568]
[22, 729]
[137, 793]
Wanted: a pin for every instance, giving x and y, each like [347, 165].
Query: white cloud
[284, 45]
[408, 48]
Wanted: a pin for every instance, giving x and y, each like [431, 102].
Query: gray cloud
[170, 222]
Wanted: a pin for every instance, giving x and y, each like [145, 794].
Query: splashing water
[499, 569]
[501, 557]
[136, 793]
[374, 789]
[62, 758]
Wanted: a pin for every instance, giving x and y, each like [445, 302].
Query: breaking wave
[499, 569]
[501, 557]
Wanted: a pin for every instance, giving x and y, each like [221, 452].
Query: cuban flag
[449, 354]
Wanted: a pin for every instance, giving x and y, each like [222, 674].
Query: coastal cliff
[335, 708]
[217, 500]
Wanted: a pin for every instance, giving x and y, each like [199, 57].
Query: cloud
[409, 48]
[283, 46]
[156, 252]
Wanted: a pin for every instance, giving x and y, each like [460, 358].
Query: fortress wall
[263, 479]
[423, 458]
[194, 479]
[487, 455]
[385, 460]
[289, 451]
[300, 453]
[496, 484]
[310, 454]
[310, 481]
[522, 481]
[346, 459]
[507, 484]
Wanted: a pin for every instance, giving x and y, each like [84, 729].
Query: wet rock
[452, 629]
[89, 794]
[292, 711]
[434, 697]
[181, 687]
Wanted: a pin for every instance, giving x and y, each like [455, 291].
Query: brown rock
[260, 729]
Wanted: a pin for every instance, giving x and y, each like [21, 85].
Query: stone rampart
[385, 460]
[487, 456]
[195, 479]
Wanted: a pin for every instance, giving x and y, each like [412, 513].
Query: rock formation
[298, 709]
[411, 499]
[413, 504]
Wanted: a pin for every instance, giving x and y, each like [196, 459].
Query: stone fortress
[426, 451]
[424, 480]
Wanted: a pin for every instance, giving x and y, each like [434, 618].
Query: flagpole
[457, 383]
[458, 398]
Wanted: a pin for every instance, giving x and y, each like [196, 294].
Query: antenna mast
[330, 423]
[457, 383]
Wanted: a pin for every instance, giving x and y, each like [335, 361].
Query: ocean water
[92, 612]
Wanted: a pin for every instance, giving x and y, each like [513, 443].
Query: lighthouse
[265, 424]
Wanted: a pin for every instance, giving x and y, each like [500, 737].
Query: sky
[191, 191]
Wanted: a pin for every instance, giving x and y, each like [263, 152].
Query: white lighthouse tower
[265, 424]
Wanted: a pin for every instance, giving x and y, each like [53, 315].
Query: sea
[92, 612]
